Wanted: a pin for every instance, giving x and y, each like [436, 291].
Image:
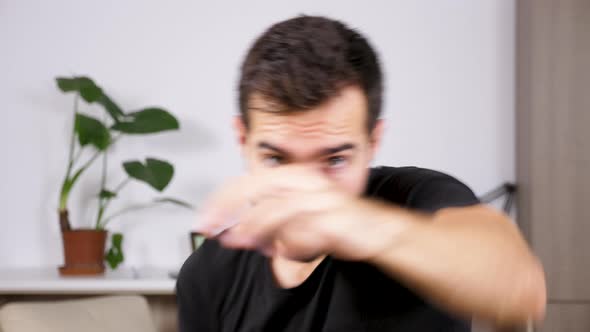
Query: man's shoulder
[418, 187]
[402, 179]
[406, 173]
[214, 263]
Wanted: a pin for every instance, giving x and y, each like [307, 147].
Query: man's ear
[376, 136]
[240, 130]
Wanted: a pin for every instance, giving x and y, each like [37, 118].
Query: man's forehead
[306, 124]
[343, 115]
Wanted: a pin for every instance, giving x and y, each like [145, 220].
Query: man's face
[331, 139]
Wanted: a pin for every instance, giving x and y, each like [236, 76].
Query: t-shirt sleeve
[420, 189]
[196, 310]
[439, 192]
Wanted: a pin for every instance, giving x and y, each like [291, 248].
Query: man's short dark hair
[302, 62]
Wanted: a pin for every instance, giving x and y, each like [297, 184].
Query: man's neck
[289, 273]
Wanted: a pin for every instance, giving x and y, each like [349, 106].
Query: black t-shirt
[234, 291]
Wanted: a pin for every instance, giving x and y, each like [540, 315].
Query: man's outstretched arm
[471, 260]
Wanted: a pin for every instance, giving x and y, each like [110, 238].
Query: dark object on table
[508, 189]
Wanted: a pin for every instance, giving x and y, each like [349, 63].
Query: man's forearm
[471, 261]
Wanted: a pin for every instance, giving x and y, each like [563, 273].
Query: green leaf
[67, 84]
[147, 121]
[92, 131]
[113, 109]
[156, 173]
[114, 255]
[87, 89]
[107, 194]
[174, 201]
[91, 93]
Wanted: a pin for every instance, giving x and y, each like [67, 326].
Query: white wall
[449, 102]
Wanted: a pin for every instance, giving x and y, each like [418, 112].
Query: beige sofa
[97, 314]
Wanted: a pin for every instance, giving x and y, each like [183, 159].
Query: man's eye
[336, 161]
[272, 161]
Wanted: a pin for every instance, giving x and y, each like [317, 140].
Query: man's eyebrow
[265, 145]
[323, 152]
[336, 149]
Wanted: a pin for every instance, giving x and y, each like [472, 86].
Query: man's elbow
[529, 299]
[534, 299]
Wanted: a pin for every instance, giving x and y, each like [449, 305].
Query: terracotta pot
[83, 252]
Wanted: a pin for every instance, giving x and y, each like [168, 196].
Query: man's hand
[293, 212]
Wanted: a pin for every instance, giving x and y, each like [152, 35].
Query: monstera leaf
[87, 89]
[114, 255]
[147, 121]
[113, 109]
[156, 173]
[91, 93]
[92, 131]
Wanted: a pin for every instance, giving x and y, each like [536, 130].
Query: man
[312, 239]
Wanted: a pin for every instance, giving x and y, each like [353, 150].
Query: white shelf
[42, 281]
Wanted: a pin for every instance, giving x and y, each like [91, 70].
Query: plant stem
[122, 185]
[77, 157]
[73, 139]
[97, 154]
[101, 208]
[102, 201]
[103, 204]
[103, 179]
[128, 209]
[115, 139]
[70, 180]
[64, 220]
[141, 207]
[64, 196]
[73, 136]
[91, 160]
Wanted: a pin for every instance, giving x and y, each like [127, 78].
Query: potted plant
[84, 247]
